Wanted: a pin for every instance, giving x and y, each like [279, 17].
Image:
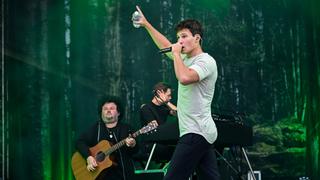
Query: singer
[197, 73]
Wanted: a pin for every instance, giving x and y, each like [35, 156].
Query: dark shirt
[121, 157]
[148, 113]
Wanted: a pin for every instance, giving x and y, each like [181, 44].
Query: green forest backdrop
[60, 56]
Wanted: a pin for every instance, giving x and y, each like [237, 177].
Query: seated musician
[111, 129]
[157, 111]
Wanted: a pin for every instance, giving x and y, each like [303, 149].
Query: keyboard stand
[229, 164]
[243, 152]
[248, 163]
[150, 156]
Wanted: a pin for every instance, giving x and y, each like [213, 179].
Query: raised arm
[159, 39]
[184, 74]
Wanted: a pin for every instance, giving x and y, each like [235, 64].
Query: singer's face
[109, 113]
[187, 40]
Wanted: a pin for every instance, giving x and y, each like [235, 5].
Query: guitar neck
[120, 144]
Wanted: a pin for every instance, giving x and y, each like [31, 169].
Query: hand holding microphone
[177, 47]
[165, 50]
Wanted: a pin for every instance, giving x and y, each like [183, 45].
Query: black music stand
[238, 172]
[150, 156]
[229, 164]
[147, 173]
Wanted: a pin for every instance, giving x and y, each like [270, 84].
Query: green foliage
[293, 132]
[270, 134]
[286, 133]
[281, 145]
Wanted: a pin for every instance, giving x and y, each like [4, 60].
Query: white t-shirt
[194, 100]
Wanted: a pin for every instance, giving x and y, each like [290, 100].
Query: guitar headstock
[148, 128]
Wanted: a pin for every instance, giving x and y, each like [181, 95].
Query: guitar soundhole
[100, 156]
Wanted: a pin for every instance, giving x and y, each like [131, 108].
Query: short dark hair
[193, 25]
[160, 86]
[111, 99]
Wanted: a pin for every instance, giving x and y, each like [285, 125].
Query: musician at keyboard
[158, 111]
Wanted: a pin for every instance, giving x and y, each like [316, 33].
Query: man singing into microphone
[197, 73]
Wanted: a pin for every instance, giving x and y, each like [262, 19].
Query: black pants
[111, 173]
[192, 153]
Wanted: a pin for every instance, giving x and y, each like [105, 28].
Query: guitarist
[111, 129]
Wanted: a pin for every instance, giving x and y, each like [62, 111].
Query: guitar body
[79, 164]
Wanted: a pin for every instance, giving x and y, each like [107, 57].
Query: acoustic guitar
[101, 153]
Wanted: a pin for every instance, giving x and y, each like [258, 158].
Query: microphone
[165, 50]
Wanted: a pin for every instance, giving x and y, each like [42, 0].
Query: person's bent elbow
[184, 80]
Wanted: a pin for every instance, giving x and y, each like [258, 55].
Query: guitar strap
[121, 158]
[98, 137]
